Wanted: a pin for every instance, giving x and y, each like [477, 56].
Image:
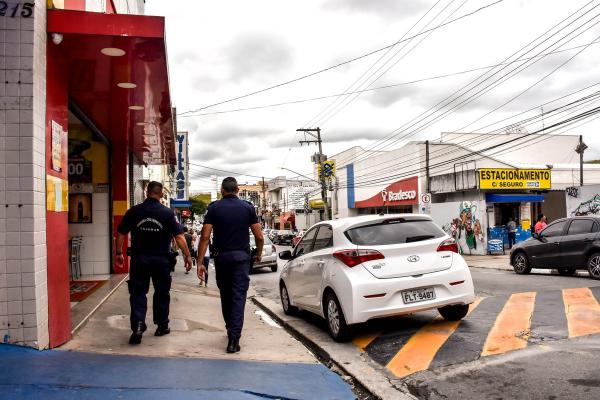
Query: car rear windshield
[394, 232]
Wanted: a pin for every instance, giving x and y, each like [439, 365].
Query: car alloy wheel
[333, 317]
[594, 266]
[288, 308]
[336, 322]
[521, 264]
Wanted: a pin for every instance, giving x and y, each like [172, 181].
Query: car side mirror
[535, 236]
[286, 255]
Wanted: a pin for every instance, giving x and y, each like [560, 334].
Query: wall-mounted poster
[80, 208]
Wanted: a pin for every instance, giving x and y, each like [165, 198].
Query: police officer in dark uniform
[231, 219]
[152, 228]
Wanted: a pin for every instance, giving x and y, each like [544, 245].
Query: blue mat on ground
[54, 374]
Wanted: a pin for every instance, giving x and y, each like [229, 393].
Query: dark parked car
[284, 237]
[567, 245]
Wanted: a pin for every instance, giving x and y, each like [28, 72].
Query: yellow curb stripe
[582, 311]
[512, 327]
[362, 341]
[418, 353]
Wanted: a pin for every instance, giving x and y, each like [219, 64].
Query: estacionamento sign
[509, 179]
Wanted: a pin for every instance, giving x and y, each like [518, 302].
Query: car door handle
[556, 243]
[588, 240]
[321, 262]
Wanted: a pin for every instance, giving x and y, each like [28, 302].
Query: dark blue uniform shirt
[152, 228]
[231, 219]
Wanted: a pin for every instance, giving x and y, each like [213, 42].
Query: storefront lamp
[136, 108]
[126, 85]
[112, 52]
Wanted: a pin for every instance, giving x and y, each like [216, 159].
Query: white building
[463, 200]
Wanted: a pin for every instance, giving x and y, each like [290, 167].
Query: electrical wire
[341, 63]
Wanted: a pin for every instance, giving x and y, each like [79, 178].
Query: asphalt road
[520, 324]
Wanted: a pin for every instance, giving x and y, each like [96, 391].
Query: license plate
[417, 295]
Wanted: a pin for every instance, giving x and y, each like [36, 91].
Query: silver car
[269, 255]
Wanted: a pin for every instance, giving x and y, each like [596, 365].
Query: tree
[198, 206]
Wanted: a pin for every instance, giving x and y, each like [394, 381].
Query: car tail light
[448, 245]
[357, 256]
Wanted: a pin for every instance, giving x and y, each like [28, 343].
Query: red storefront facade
[109, 72]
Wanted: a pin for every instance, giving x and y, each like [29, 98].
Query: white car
[269, 255]
[355, 269]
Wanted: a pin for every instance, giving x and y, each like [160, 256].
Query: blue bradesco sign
[181, 177]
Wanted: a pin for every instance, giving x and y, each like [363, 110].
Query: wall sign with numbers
[18, 10]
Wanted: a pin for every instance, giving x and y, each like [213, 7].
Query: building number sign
[24, 10]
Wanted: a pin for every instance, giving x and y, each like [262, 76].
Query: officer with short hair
[231, 219]
[152, 228]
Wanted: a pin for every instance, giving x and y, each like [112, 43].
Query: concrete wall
[23, 275]
[586, 201]
[464, 220]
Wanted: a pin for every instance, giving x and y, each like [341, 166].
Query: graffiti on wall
[589, 207]
[466, 228]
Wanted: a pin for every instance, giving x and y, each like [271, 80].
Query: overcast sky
[223, 49]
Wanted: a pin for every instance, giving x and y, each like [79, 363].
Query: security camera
[57, 38]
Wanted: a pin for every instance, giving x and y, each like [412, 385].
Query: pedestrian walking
[512, 232]
[205, 259]
[541, 223]
[231, 219]
[189, 240]
[152, 227]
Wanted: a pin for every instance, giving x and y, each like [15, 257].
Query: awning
[513, 198]
[118, 76]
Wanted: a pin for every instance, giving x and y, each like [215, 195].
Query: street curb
[400, 393]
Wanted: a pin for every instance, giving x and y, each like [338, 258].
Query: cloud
[257, 55]
[388, 9]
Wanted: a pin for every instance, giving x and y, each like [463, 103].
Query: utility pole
[581, 147]
[264, 201]
[427, 182]
[320, 157]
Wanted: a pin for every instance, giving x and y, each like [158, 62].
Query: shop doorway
[89, 213]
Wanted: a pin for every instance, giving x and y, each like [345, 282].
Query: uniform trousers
[233, 278]
[143, 269]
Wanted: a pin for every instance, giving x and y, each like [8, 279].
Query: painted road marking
[418, 353]
[511, 330]
[549, 322]
[466, 342]
[362, 341]
[499, 324]
[583, 312]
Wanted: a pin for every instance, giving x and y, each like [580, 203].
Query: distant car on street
[269, 255]
[297, 238]
[351, 270]
[284, 237]
[567, 244]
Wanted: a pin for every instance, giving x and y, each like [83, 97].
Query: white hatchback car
[355, 269]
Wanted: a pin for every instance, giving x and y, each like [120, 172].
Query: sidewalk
[501, 262]
[190, 363]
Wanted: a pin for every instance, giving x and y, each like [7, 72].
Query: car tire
[521, 263]
[288, 308]
[274, 268]
[566, 271]
[454, 312]
[593, 265]
[336, 322]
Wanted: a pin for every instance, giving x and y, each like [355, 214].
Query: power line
[341, 63]
[332, 104]
[463, 72]
[456, 95]
[346, 102]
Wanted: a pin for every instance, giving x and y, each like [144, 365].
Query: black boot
[233, 346]
[136, 336]
[162, 330]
